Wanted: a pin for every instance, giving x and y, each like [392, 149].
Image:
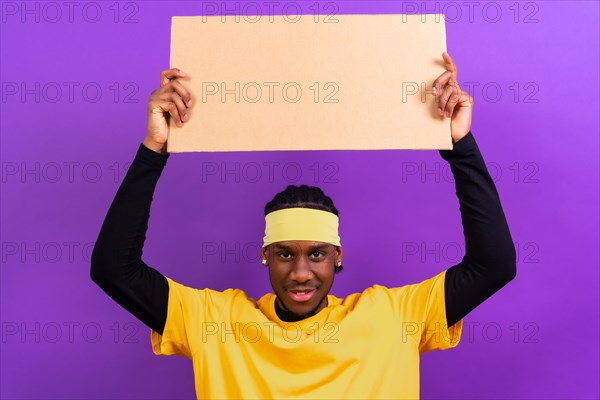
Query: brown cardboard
[379, 68]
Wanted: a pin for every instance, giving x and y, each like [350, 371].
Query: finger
[183, 92]
[451, 104]
[449, 63]
[445, 97]
[177, 87]
[439, 83]
[169, 107]
[176, 93]
[168, 74]
[181, 108]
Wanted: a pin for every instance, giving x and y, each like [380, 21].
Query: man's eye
[285, 252]
[317, 253]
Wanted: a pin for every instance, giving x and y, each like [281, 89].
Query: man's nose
[301, 270]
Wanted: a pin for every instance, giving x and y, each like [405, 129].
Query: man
[302, 341]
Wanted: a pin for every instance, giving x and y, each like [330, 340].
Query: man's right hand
[171, 100]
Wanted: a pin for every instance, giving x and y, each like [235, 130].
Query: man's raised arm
[490, 258]
[117, 265]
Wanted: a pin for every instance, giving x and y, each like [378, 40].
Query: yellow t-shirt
[366, 345]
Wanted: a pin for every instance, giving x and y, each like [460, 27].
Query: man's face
[301, 274]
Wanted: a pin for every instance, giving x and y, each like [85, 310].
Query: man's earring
[340, 263]
[264, 261]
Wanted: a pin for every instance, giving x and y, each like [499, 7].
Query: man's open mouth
[301, 295]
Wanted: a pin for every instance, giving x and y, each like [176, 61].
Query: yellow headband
[301, 224]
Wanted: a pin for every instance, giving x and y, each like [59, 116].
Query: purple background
[64, 158]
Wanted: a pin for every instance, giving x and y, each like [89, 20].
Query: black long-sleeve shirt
[117, 266]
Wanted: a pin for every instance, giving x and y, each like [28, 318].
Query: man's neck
[288, 316]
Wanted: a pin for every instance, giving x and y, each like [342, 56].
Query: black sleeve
[116, 264]
[490, 258]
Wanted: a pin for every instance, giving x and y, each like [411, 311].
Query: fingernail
[434, 90]
[182, 73]
[189, 103]
[440, 111]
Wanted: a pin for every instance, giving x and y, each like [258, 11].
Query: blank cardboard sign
[310, 82]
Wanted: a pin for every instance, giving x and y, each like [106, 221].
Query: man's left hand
[453, 103]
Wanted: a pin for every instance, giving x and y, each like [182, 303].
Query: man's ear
[264, 253]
